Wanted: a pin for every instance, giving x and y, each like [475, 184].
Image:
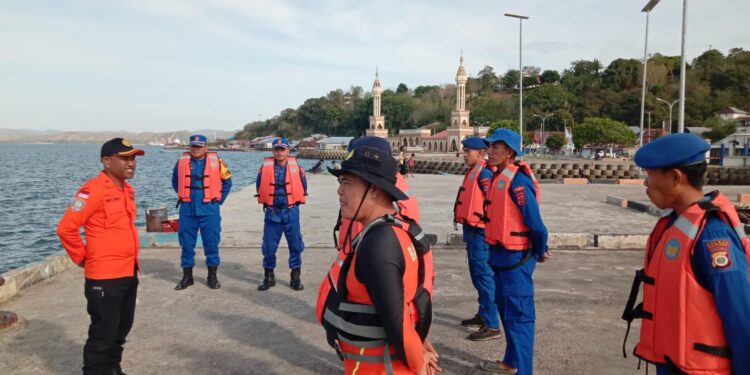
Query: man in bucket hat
[518, 239]
[381, 275]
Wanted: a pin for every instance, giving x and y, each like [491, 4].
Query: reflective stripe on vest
[295, 190]
[211, 178]
[672, 296]
[469, 205]
[505, 225]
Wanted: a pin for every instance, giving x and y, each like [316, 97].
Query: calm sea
[40, 181]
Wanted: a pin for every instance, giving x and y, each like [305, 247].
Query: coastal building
[460, 127]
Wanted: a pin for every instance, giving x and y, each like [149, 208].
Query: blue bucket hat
[370, 141]
[280, 142]
[474, 143]
[673, 150]
[511, 138]
[198, 140]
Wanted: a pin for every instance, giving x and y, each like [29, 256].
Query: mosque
[422, 139]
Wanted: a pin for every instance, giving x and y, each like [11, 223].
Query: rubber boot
[269, 280]
[295, 281]
[213, 281]
[187, 279]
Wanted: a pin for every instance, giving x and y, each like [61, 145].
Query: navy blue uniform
[282, 219]
[514, 288]
[197, 215]
[479, 266]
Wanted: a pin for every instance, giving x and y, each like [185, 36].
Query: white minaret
[460, 126]
[377, 121]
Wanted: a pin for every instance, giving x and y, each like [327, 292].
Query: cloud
[547, 47]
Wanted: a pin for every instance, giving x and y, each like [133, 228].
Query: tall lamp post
[681, 112]
[670, 104]
[520, 71]
[544, 118]
[646, 9]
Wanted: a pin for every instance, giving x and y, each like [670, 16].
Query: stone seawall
[557, 170]
[30, 274]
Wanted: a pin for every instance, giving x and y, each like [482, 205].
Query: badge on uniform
[500, 185]
[672, 249]
[719, 254]
[77, 204]
[412, 253]
[520, 193]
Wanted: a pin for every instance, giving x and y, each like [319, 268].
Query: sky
[162, 65]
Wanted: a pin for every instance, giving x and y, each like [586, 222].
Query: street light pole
[520, 71]
[681, 113]
[670, 104]
[646, 9]
[544, 118]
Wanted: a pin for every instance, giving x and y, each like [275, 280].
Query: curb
[577, 241]
[30, 274]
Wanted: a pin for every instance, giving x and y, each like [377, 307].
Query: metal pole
[643, 87]
[520, 79]
[681, 113]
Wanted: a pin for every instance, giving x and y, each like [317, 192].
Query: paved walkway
[239, 330]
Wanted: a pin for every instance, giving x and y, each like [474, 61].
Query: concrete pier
[580, 295]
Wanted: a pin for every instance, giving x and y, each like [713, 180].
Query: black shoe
[295, 282]
[269, 280]
[484, 334]
[475, 322]
[213, 281]
[187, 279]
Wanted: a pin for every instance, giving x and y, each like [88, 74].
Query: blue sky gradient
[162, 65]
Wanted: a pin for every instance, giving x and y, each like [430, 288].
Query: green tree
[719, 128]
[503, 124]
[602, 131]
[550, 76]
[555, 142]
[510, 79]
[488, 79]
[402, 89]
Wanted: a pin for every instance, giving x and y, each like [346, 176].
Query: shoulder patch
[77, 204]
[520, 193]
[719, 250]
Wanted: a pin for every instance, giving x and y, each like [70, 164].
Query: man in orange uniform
[105, 207]
[376, 313]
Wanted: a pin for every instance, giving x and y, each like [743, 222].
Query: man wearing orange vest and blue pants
[282, 187]
[202, 182]
[105, 207]
[696, 291]
[518, 240]
[469, 211]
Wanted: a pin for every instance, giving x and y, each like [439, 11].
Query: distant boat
[156, 143]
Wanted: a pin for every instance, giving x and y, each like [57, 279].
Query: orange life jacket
[351, 323]
[211, 178]
[680, 324]
[295, 191]
[505, 226]
[469, 205]
[408, 208]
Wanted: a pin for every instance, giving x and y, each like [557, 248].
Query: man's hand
[82, 263]
[544, 257]
[431, 359]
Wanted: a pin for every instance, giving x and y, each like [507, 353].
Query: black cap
[121, 147]
[374, 166]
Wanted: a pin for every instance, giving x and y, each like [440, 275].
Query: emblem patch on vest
[412, 253]
[672, 249]
[500, 185]
[520, 193]
[719, 253]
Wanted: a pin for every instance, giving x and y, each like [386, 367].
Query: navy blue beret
[474, 143]
[673, 150]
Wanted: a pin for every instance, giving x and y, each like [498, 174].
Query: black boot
[295, 282]
[269, 280]
[213, 282]
[187, 279]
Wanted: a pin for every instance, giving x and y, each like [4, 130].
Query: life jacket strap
[718, 351]
[526, 257]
